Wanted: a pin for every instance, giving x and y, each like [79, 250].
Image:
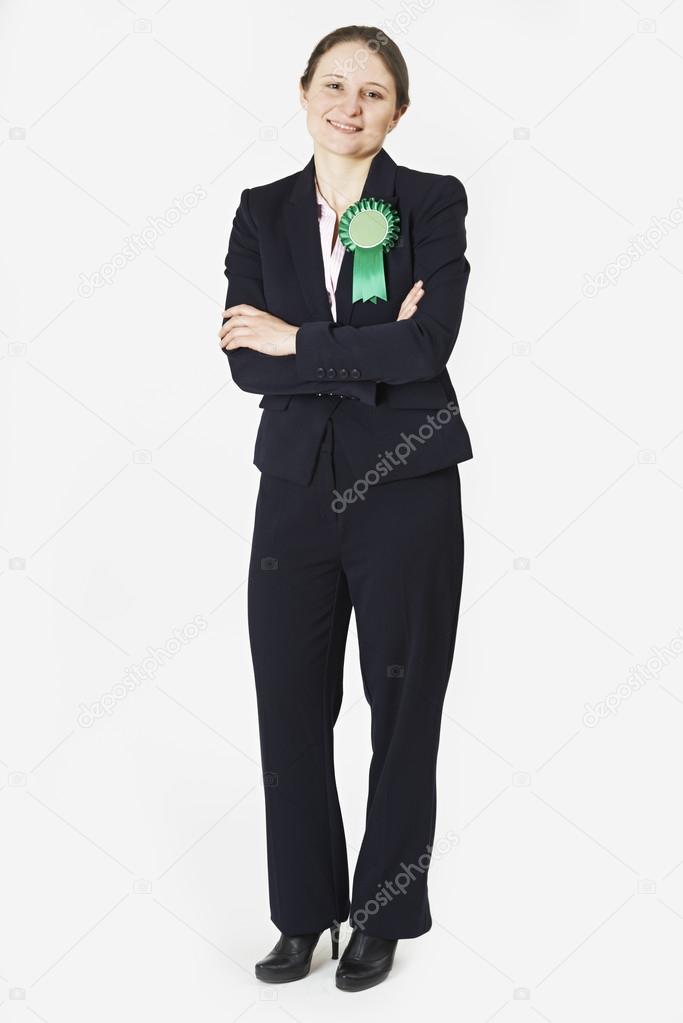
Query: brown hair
[377, 42]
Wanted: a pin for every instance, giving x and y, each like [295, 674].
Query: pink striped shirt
[332, 257]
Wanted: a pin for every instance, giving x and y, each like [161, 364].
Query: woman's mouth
[349, 129]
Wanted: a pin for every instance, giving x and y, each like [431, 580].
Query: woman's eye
[335, 85]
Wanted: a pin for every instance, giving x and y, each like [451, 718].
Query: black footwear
[365, 961]
[290, 959]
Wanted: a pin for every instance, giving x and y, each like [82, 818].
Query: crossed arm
[415, 348]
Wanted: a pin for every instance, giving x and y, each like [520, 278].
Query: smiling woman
[356, 85]
[346, 286]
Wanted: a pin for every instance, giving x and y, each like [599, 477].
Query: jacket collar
[303, 233]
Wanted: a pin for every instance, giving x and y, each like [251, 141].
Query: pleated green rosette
[368, 228]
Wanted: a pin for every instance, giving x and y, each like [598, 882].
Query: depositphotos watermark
[404, 878]
[391, 459]
[636, 679]
[140, 241]
[642, 243]
[145, 671]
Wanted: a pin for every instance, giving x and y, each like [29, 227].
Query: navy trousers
[394, 554]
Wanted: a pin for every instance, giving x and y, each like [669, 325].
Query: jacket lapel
[303, 233]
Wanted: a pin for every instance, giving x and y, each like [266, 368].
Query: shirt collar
[323, 206]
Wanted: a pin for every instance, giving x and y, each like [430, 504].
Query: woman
[359, 498]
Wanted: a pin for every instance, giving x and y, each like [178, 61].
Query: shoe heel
[334, 934]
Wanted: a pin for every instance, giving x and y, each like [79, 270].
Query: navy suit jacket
[393, 371]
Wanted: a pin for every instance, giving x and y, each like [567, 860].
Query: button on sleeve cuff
[309, 363]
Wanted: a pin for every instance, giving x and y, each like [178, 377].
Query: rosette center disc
[368, 228]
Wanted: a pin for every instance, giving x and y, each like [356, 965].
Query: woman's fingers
[415, 290]
[415, 294]
[232, 312]
[409, 304]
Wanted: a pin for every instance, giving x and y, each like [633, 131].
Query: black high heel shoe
[290, 959]
[365, 961]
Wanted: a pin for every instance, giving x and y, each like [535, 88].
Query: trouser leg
[402, 551]
[299, 610]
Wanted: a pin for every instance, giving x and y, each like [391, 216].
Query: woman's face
[351, 86]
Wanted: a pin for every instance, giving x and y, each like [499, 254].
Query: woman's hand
[409, 304]
[249, 327]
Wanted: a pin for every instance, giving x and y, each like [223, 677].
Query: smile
[349, 128]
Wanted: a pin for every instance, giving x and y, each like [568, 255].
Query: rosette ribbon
[369, 228]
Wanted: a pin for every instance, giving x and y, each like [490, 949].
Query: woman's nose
[352, 106]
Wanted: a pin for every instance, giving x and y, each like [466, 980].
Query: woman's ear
[398, 114]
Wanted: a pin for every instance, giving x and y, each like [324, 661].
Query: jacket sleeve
[253, 371]
[417, 348]
[257, 372]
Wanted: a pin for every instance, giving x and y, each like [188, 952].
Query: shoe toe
[352, 979]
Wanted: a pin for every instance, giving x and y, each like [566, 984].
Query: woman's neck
[341, 179]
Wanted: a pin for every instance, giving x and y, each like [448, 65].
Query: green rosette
[369, 228]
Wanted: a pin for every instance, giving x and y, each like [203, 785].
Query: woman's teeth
[342, 127]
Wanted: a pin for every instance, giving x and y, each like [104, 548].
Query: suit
[394, 372]
[349, 411]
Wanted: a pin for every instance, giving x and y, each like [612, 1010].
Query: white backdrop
[133, 874]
